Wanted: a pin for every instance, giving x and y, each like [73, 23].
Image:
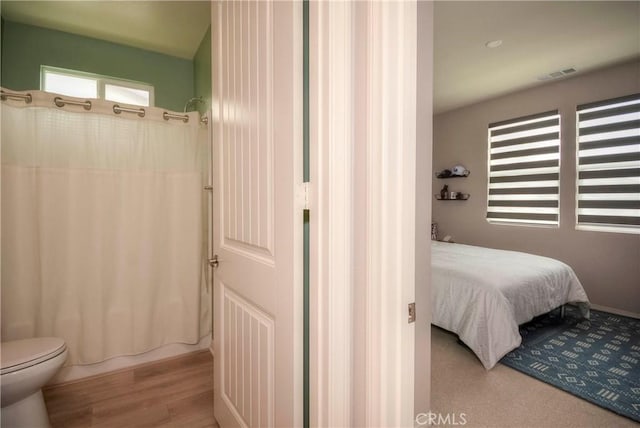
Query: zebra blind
[609, 165]
[524, 170]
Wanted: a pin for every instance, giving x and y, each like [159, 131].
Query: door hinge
[412, 312]
[304, 196]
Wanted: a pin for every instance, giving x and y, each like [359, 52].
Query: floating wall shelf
[452, 176]
[461, 197]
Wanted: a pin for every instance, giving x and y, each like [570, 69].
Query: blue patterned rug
[597, 359]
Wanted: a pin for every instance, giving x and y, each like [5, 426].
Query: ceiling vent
[558, 74]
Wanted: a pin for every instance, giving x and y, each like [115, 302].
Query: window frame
[537, 201]
[101, 81]
[590, 108]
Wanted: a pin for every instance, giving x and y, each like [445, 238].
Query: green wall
[202, 71]
[25, 48]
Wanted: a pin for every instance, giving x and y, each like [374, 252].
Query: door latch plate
[214, 261]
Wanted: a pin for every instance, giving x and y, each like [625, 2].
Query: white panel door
[257, 100]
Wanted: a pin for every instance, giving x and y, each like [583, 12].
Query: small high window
[87, 85]
[608, 184]
[524, 170]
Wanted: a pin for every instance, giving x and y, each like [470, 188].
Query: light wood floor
[176, 392]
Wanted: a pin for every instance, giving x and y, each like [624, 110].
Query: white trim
[615, 311]
[296, 19]
[331, 276]
[390, 216]
[424, 178]
[523, 222]
[362, 225]
[607, 228]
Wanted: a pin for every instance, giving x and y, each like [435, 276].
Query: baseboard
[615, 311]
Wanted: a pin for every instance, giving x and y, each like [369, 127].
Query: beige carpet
[503, 397]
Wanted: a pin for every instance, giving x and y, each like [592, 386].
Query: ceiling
[539, 37]
[173, 28]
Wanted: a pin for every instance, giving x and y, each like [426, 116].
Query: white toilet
[27, 365]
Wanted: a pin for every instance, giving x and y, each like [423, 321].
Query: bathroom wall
[25, 48]
[606, 263]
[202, 71]
[1, 40]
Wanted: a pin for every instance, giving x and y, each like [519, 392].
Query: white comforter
[483, 294]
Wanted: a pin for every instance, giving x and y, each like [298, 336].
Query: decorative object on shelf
[434, 231]
[456, 171]
[444, 192]
[448, 197]
[459, 171]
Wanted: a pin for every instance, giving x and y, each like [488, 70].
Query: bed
[483, 294]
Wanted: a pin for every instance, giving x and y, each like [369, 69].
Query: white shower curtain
[102, 228]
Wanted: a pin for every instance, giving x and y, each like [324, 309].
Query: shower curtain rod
[117, 109]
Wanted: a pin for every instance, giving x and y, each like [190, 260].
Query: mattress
[483, 294]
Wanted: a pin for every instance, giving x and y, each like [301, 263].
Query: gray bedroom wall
[608, 264]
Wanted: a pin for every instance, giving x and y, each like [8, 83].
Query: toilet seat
[20, 354]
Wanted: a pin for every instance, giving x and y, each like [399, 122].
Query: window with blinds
[609, 165]
[524, 170]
